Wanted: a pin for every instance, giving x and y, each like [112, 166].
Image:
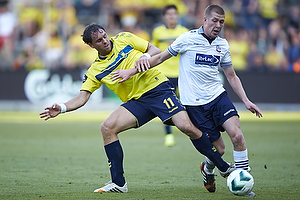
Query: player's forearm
[145, 64]
[155, 60]
[159, 58]
[237, 87]
[78, 101]
[132, 72]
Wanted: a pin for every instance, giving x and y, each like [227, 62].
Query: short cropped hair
[214, 8]
[89, 30]
[166, 8]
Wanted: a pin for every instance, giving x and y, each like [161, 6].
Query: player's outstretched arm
[73, 104]
[141, 66]
[237, 87]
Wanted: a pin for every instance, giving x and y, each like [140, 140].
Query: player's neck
[171, 26]
[210, 40]
[100, 56]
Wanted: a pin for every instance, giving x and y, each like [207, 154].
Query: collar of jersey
[169, 28]
[200, 31]
[104, 57]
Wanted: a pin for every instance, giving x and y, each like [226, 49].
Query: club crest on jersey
[203, 59]
[218, 49]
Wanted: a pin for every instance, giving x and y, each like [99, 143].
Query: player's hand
[142, 64]
[254, 109]
[123, 75]
[51, 112]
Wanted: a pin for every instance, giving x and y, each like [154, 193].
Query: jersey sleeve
[226, 61]
[90, 84]
[179, 45]
[136, 42]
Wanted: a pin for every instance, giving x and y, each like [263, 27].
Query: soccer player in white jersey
[202, 51]
[145, 96]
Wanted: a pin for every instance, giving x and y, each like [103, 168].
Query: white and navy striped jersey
[199, 61]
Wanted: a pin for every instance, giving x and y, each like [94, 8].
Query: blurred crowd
[264, 35]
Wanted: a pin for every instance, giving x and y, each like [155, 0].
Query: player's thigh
[182, 121]
[118, 121]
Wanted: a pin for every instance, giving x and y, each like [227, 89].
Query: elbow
[153, 49]
[156, 51]
[231, 78]
[83, 98]
[84, 101]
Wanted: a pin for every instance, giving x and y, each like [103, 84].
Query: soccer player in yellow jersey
[162, 37]
[146, 96]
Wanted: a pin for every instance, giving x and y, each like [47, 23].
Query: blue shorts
[159, 102]
[210, 117]
[174, 81]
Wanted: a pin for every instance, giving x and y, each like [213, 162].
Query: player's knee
[105, 128]
[189, 129]
[238, 139]
[182, 127]
[106, 132]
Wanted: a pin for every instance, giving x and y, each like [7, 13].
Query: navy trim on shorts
[174, 82]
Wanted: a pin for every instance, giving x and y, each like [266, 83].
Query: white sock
[241, 159]
[209, 166]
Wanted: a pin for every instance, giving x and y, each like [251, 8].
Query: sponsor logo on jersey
[199, 44]
[203, 59]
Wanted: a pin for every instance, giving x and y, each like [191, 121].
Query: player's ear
[91, 45]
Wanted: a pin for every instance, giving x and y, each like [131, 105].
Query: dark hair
[214, 8]
[3, 3]
[89, 30]
[166, 8]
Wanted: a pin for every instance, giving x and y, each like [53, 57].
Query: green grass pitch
[64, 159]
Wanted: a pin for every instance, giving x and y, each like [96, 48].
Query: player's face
[213, 24]
[171, 16]
[101, 42]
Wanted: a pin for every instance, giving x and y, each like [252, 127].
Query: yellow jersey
[126, 50]
[162, 37]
